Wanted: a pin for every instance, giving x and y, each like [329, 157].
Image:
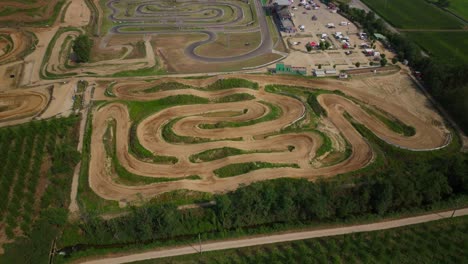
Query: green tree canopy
[82, 48]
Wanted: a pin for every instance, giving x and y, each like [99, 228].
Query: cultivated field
[415, 14]
[210, 135]
[447, 46]
[459, 7]
[441, 241]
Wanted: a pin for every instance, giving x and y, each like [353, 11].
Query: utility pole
[228, 40]
[199, 242]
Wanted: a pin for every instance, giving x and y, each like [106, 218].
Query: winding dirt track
[149, 133]
[16, 105]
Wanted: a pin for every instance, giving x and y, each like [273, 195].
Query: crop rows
[27, 151]
[438, 242]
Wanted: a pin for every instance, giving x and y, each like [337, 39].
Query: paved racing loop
[148, 22]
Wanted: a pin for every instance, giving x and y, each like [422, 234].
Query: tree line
[447, 82]
[405, 181]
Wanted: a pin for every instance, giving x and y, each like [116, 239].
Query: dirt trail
[17, 105]
[276, 238]
[149, 133]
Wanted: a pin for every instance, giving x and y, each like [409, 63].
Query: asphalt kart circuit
[145, 21]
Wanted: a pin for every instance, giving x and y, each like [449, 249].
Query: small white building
[319, 73]
[331, 71]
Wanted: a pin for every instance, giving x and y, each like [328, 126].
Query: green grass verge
[392, 123]
[242, 168]
[171, 137]
[220, 153]
[136, 149]
[273, 114]
[235, 98]
[459, 7]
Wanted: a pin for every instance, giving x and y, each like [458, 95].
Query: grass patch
[392, 123]
[314, 104]
[167, 86]
[144, 154]
[220, 153]
[449, 47]
[109, 92]
[169, 135]
[235, 98]
[229, 83]
[140, 72]
[141, 109]
[274, 113]
[242, 168]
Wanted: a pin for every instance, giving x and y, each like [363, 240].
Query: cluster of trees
[82, 48]
[52, 141]
[447, 82]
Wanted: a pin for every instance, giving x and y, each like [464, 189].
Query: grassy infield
[418, 14]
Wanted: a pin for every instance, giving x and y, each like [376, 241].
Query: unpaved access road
[189, 120]
[270, 239]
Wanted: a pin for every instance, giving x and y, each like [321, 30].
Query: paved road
[247, 242]
[265, 46]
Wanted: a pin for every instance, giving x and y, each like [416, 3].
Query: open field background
[415, 14]
[447, 46]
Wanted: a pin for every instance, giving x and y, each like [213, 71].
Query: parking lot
[318, 29]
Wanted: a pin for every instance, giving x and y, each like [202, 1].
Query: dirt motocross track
[149, 133]
[17, 105]
[23, 10]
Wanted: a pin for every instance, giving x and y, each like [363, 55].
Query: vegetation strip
[243, 168]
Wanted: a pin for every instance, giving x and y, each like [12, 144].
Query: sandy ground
[77, 14]
[62, 100]
[428, 135]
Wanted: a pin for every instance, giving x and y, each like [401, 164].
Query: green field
[444, 241]
[413, 14]
[447, 46]
[460, 7]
